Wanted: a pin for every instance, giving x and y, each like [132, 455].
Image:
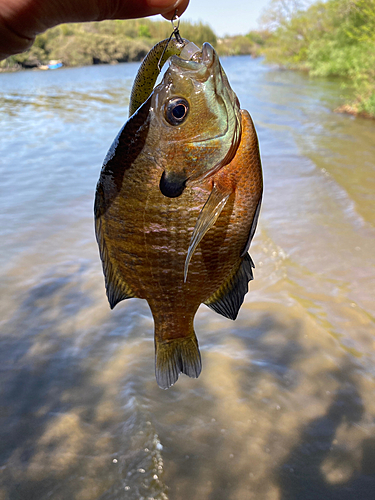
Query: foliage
[251, 43]
[120, 41]
[333, 38]
[280, 13]
[103, 42]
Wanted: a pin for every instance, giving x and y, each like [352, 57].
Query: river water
[285, 406]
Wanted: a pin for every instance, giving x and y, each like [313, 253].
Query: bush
[104, 42]
[333, 38]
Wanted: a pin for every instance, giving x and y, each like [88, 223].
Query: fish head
[194, 120]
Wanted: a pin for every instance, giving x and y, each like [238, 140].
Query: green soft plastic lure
[150, 68]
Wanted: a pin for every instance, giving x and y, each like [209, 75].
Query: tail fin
[176, 356]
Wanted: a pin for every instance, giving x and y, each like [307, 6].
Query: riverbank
[325, 40]
[353, 109]
[110, 42]
[335, 38]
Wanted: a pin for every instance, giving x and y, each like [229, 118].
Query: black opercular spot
[172, 186]
[176, 110]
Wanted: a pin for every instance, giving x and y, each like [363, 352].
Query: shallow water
[284, 408]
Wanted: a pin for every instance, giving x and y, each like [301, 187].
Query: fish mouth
[172, 185]
[199, 62]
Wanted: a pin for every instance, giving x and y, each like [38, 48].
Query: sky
[231, 17]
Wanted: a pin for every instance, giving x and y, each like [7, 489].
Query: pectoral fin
[228, 299]
[207, 218]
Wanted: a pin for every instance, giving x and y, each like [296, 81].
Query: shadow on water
[36, 372]
[269, 452]
[75, 396]
[317, 467]
[54, 410]
[223, 449]
[82, 417]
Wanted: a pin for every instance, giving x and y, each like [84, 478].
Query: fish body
[176, 207]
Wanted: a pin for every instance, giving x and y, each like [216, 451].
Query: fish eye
[176, 111]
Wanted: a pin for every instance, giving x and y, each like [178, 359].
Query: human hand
[22, 20]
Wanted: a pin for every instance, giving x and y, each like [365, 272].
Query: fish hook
[175, 32]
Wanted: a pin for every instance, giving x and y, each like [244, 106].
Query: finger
[180, 8]
[22, 20]
[15, 43]
[141, 8]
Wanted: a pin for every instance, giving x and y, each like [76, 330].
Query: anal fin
[176, 356]
[228, 299]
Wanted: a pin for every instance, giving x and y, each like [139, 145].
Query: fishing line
[175, 32]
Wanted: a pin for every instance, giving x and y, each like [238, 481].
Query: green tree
[144, 31]
[333, 38]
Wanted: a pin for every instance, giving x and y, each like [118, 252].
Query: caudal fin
[176, 356]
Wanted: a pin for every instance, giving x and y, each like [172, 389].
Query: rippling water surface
[285, 406]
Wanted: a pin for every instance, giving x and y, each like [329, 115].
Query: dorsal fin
[116, 288]
[228, 299]
[124, 150]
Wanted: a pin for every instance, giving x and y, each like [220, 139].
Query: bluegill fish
[177, 204]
